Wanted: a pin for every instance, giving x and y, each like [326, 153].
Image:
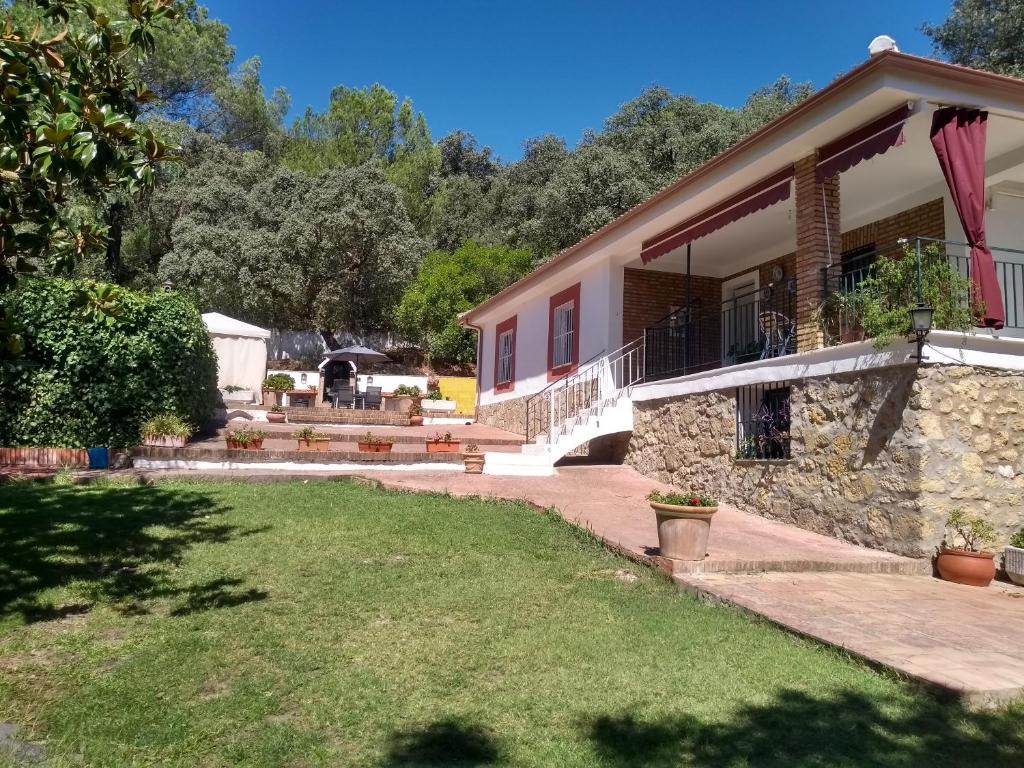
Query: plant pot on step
[165, 441]
[317, 444]
[474, 461]
[683, 530]
[442, 446]
[1013, 564]
[416, 421]
[975, 569]
[374, 447]
[276, 417]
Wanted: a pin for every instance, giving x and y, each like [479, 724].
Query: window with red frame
[563, 332]
[505, 355]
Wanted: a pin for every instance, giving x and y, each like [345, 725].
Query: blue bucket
[99, 458]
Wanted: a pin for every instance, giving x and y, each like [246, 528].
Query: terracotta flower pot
[415, 421]
[256, 445]
[320, 445]
[683, 531]
[975, 569]
[271, 397]
[375, 447]
[233, 445]
[474, 462]
[1013, 564]
[440, 446]
[275, 418]
[165, 441]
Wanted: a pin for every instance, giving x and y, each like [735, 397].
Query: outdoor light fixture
[921, 322]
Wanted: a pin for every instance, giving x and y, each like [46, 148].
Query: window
[564, 332]
[855, 264]
[505, 355]
[762, 422]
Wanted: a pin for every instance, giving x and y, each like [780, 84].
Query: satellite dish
[881, 44]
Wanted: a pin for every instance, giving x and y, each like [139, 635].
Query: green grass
[327, 623]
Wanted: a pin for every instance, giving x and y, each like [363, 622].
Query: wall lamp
[921, 322]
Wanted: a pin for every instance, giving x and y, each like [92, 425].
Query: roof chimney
[881, 44]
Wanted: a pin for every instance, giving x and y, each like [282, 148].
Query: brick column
[817, 226]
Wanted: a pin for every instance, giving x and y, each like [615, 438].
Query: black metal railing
[763, 421]
[938, 269]
[753, 326]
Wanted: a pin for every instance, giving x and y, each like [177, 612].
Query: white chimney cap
[881, 44]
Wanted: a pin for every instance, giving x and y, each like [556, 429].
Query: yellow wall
[462, 390]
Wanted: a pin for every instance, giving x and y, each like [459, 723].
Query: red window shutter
[572, 293]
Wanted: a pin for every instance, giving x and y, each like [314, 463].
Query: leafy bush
[404, 390]
[279, 382]
[968, 532]
[98, 361]
[309, 433]
[167, 424]
[1017, 540]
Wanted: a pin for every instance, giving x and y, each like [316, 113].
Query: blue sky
[507, 71]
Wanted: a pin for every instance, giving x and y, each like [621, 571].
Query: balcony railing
[939, 271]
[752, 326]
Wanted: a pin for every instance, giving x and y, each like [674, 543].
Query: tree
[450, 283]
[983, 34]
[242, 116]
[68, 134]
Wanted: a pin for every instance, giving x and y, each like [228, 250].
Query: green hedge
[98, 361]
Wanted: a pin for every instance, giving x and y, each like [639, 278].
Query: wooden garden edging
[44, 457]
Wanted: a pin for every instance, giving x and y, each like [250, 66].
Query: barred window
[505, 352]
[763, 421]
[563, 336]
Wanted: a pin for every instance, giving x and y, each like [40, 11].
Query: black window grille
[762, 421]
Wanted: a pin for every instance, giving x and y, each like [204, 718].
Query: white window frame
[564, 333]
[506, 353]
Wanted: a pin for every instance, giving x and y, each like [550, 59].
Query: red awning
[875, 138]
[764, 193]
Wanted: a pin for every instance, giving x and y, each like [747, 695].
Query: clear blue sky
[507, 70]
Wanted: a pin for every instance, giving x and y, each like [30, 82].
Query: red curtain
[958, 135]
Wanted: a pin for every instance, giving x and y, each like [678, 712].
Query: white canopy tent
[241, 351]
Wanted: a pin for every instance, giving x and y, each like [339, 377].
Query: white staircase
[590, 403]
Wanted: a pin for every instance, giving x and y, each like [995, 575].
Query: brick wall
[817, 234]
[649, 295]
[926, 220]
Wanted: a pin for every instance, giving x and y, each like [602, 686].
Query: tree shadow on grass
[444, 742]
[118, 545]
[797, 730]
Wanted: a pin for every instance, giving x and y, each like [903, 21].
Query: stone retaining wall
[509, 415]
[878, 458]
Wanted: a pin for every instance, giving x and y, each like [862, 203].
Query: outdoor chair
[777, 332]
[342, 396]
[372, 398]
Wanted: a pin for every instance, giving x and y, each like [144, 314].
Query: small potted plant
[442, 443]
[276, 415]
[473, 458]
[245, 439]
[1013, 558]
[274, 385]
[962, 558]
[370, 443]
[166, 430]
[684, 523]
[415, 415]
[436, 402]
[311, 440]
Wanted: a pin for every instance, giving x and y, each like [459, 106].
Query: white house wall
[600, 330]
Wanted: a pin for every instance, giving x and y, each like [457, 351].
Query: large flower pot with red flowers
[684, 523]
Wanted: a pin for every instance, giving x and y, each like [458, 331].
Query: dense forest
[358, 218]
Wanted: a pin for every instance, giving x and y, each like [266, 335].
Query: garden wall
[509, 415]
[877, 458]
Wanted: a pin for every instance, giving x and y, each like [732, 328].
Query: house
[696, 338]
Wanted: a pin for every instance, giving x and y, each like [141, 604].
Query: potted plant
[1013, 558]
[442, 443]
[235, 392]
[684, 523]
[403, 398]
[370, 443]
[245, 438]
[166, 430]
[276, 415]
[473, 458]
[415, 415]
[274, 385]
[311, 440]
[962, 558]
[436, 402]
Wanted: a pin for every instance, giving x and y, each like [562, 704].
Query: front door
[739, 319]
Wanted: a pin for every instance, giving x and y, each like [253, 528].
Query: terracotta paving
[965, 640]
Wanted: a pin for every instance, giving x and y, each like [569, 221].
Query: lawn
[328, 623]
